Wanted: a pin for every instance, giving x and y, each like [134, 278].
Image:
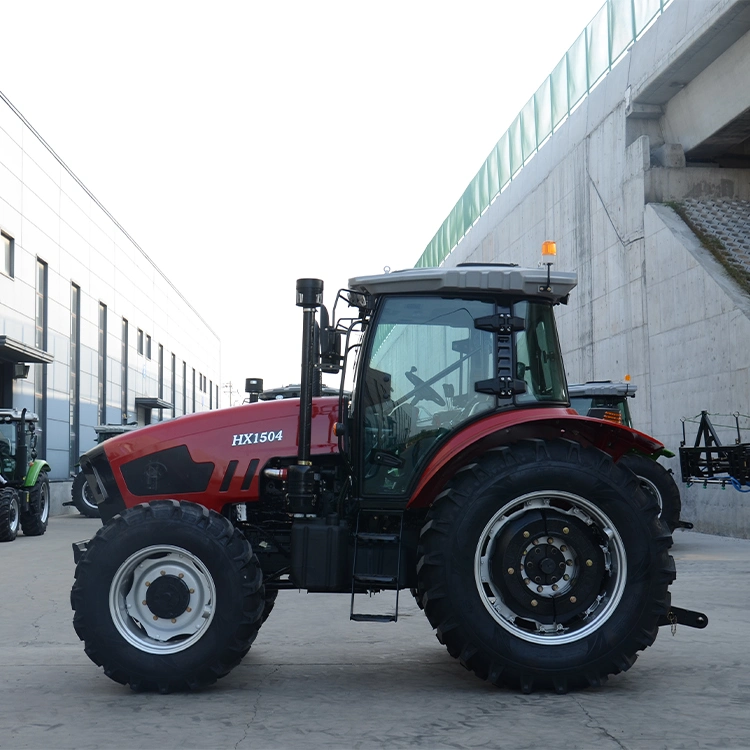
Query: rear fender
[510, 427]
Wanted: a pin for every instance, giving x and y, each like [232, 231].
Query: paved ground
[315, 680]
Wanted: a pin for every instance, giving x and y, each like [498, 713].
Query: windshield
[418, 383]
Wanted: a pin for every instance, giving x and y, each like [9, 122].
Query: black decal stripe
[228, 476]
[249, 474]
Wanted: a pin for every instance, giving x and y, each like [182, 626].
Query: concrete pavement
[315, 680]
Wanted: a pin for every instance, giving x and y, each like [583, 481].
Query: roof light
[549, 248]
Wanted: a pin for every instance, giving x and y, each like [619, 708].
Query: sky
[244, 145]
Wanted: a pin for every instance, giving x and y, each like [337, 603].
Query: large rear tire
[544, 565]
[82, 498]
[657, 481]
[9, 514]
[168, 596]
[34, 520]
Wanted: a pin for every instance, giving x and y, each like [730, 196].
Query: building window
[7, 254]
[139, 341]
[40, 340]
[124, 372]
[184, 388]
[148, 346]
[217, 395]
[194, 390]
[75, 370]
[210, 394]
[174, 385]
[102, 369]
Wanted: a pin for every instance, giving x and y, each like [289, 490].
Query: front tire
[543, 565]
[167, 597]
[82, 499]
[9, 514]
[34, 520]
[657, 481]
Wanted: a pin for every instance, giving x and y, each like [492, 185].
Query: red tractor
[455, 469]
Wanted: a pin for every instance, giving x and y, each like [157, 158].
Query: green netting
[503, 159]
[493, 174]
[577, 76]
[543, 111]
[514, 146]
[617, 24]
[621, 27]
[558, 81]
[597, 46]
[645, 11]
[528, 129]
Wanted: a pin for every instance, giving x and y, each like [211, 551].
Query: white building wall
[53, 218]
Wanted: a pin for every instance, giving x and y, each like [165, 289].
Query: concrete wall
[650, 302]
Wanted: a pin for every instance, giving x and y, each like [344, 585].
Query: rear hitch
[688, 617]
[683, 525]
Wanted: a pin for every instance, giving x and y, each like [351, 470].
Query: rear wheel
[9, 514]
[657, 481]
[82, 498]
[543, 565]
[168, 596]
[34, 520]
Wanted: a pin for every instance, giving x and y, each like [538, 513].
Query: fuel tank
[212, 458]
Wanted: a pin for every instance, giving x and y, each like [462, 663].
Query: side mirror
[330, 345]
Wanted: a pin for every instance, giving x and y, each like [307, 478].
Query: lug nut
[540, 589]
[162, 572]
[188, 609]
[568, 562]
[566, 530]
[564, 548]
[192, 591]
[538, 579]
[181, 575]
[555, 587]
[511, 571]
[148, 583]
[173, 620]
[573, 600]
[534, 602]
[526, 534]
[155, 617]
[550, 540]
[535, 541]
[566, 577]
[143, 602]
[589, 563]
[527, 581]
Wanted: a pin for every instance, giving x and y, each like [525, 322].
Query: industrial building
[91, 331]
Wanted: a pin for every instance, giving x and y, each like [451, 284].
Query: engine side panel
[213, 458]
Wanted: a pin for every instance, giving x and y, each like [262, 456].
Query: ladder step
[371, 578]
[372, 618]
[366, 536]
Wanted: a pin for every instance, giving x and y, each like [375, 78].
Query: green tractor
[24, 486]
[606, 400]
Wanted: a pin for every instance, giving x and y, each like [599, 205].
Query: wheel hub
[168, 597]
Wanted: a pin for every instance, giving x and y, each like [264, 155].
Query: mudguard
[32, 475]
[508, 427]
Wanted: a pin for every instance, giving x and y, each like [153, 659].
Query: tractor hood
[213, 458]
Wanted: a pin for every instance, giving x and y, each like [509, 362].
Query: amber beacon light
[549, 252]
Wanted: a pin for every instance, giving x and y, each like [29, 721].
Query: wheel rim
[14, 517]
[87, 498]
[550, 567]
[44, 502]
[162, 599]
[648, 486]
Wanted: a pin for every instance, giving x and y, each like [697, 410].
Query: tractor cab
[18, 438]
[442, 349]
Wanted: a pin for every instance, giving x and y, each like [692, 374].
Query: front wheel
[9, 514]
[34, 520]
[82, 497]
[167, 597]
[543, 565]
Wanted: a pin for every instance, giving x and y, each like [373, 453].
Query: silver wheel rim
[86, 497]
[651, 488]
[44, 501]
[130, 602]
[502, 608]
[14, 518]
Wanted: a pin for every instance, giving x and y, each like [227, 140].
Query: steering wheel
[421, 389]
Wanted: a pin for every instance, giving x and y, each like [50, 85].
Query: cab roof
[471, 277]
